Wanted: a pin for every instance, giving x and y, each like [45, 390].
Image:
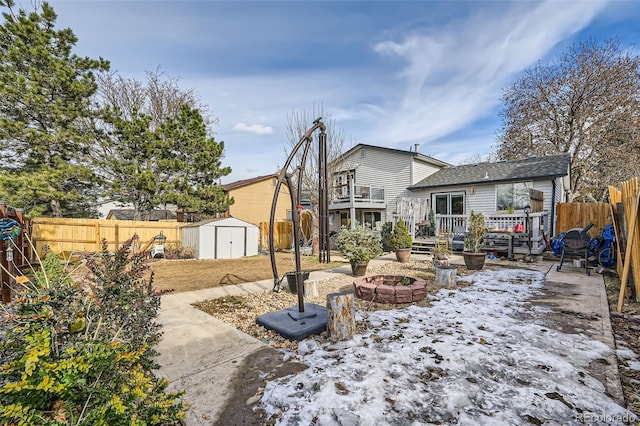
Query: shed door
[230, 242]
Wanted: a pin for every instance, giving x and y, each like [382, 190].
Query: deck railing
[361, 194]
[457, 223]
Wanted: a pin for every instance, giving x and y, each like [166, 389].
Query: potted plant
[473, 241]
[401, 241]
[358, 246]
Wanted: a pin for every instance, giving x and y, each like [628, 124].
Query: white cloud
[453, 75]
[256, 129]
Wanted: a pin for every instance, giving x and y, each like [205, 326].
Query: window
[514, 195]
[373, 220]
[452, 203]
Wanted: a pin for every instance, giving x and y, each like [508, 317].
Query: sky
[488, 359]
[386, 73]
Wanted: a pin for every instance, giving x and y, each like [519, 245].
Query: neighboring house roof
[415, 154]
[502, 171]
[246, 182]
[154, 215]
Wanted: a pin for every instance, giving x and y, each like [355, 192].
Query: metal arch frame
[294, 195]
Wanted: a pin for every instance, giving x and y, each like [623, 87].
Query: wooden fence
[283, 233]
[579, 215]
[628, 231]
[67, 236]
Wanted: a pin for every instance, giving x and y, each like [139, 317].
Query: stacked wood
[629, 195]
[341, 323]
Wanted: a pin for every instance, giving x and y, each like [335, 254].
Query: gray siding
[421, 170]
[382, 168]
[482, 198]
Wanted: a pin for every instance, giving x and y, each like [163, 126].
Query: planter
[291, 280]
[403, 255]
[359, 269]
[474, 261]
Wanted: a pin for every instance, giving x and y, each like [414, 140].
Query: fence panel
[85, 235]
[579, 215]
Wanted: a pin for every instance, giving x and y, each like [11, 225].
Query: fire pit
[390, 288]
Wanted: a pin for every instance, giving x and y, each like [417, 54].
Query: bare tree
[297, 123]
[586, 103]
[159, 97]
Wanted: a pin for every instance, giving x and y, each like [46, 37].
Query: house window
[345, 220]
[373, 220]
[514, 195]
[452, 203]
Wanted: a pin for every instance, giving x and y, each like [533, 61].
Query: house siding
[378, 168]
[421, 170]
[482, 198]
[252, 203]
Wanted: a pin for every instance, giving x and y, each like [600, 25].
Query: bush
[386, 235]
[359, 244]
[80, 351]
[401, 238]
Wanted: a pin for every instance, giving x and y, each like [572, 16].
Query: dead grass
[190, 274]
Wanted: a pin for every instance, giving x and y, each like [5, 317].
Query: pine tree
[45, 113]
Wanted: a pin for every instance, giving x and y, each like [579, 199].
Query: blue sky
[389, 73]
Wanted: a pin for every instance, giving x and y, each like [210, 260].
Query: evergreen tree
[194, 165]
[45, 93]
[157, 148]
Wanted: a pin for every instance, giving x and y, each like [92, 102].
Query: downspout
[553, 207]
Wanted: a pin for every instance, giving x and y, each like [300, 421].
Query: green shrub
[401, 238]
[79, 351]
[358, 244]
[386, 235]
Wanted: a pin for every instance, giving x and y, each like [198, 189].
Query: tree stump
[341, 323]
[311, 289]
[446, 276]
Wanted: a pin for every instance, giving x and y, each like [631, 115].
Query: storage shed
[224, 238]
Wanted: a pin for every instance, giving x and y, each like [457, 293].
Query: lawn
[191, 274]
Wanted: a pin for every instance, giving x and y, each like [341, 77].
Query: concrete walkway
[201, 354]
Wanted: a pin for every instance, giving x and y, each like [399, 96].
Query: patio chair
[575, 242]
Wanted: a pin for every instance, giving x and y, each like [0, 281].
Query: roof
[246, 182]
[502, 171]
[415, 154]
[222, 221]
[154, 215]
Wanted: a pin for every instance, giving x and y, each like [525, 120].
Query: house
[508, 193]
[369, 183]
[253, 198]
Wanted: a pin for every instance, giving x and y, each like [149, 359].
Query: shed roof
[221, 220]
[502, 171]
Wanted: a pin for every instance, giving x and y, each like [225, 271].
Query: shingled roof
[502, 171]
[245, 182]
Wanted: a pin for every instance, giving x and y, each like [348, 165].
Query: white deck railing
[457, 223]
[361, 194]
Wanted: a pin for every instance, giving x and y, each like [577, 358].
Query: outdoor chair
[575, 243]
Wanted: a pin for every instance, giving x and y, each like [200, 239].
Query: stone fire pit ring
[390, 288]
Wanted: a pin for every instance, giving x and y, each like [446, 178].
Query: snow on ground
[480, 355]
